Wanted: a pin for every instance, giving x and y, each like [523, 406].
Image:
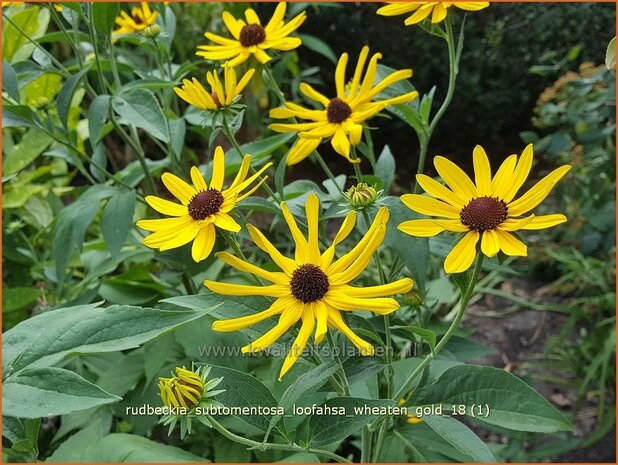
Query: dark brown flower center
[252, 34]
[484, 213]
[309, 283]
[205, 203]
[215, 98]
[337, 111]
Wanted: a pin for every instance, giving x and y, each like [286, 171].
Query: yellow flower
[251, 38]
[312, 287]
[183, 390]
[484, 210]
[201, 209]
[141, 17]
[194, 93]
[16, 4]
[343, 116]
[422, 10]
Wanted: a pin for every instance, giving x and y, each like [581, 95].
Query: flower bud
[183, 390]
[413, 298]
[152, 31]
[362, 195]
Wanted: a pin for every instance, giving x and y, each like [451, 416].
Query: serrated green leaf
[50, 391]
[512, 403]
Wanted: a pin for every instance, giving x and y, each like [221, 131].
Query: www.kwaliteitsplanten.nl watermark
[282, 350]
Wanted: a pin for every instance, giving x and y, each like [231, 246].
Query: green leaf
[120, 447]
[262, 147]
[461, 437]
[178, 131]
[43, 89]
[610, 54]
[73, 448]
[385, 168]
[318, 46]
[65, 96]
[258, 204]
[32, 144]
[140, 108]
[9, 81]
[243, 390]
[414, 251]
[309, 381]
[97, 115]
[18, 298]
[73, 220]
[50, 391]
[50, 337]
[18, 116]
[426, 334]
[330, 428]
[33, 21]
[512, 403]
[117, 220]
[104, 16]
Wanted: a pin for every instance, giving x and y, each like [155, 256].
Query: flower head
[485, 209]
[251, 38]
[362, 195]
[343, 116]
[220, 95]
[421, 10]
[312, 287]
[202, 208]
[141, 17]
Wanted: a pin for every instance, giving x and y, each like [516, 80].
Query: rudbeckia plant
[215, 251]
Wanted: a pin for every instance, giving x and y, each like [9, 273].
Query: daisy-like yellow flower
[485, 209]
[342, 118]
[140, 18]
[220, 96]
[312, 287]
[251, 38]
[202, 208]
[421, 10]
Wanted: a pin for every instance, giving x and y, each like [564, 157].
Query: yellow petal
[313, 94]
[340, 74]
[501, 182]
[235, 324]
[520, 174]
[252, 17]
[462, 255]
[452, 225]
[537, 193]
[439, 13]
[510, 245]
[335, 320]
[184, 236]
[482, 171]
[420, 228]
[166, 207]
[289, 316]
[286, 264]
[203, 243]
[400, 286]
[544, 221]
[277, 278]
[380, 305]
[180, 189]
[297, 235]
[312, 208]
[437, 190]
[321, 316]
[300, 342]
[225, 221]
[346, 228]
[429, 206]
[274, 290]
[341, 143]
[164, 223]
[218, 169]
[361, 261]
[198, 179]
[490, 243]
[301, 150]
[455, 178]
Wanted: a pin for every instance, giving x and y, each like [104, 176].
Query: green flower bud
[362, 195]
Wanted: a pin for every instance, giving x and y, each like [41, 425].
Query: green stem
[274, 85]
[327, 170]
[366, 437]
[272, 446]
[233, 243]
[465, 298]
[344, 378]
[454, 54]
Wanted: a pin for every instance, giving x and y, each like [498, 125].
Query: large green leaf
[141, 109]
[512, 403]
[120, 447]
[50, 337]
[461, 437]
[97, 115]
[65, 96]
[32, 144]
[385, 168]
[49, 391]
[332, 426]
[104, 16]
[32, 21]
[244, 390]
[9, 81]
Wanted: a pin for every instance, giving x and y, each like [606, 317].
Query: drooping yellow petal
[439, 13]
[289, 316]
[461, 257]
[321, 316]
[203, 243]
[490, 243]
[277, 278]
[300, 342]
[335, 319]
[313, 94]
[286, 264]
[510, 245]
[482, 171]
[235, 324]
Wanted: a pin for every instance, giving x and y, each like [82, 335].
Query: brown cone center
[309, 283]
[484, 213]
[252, 34]
[205, 203]
[337, 111]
